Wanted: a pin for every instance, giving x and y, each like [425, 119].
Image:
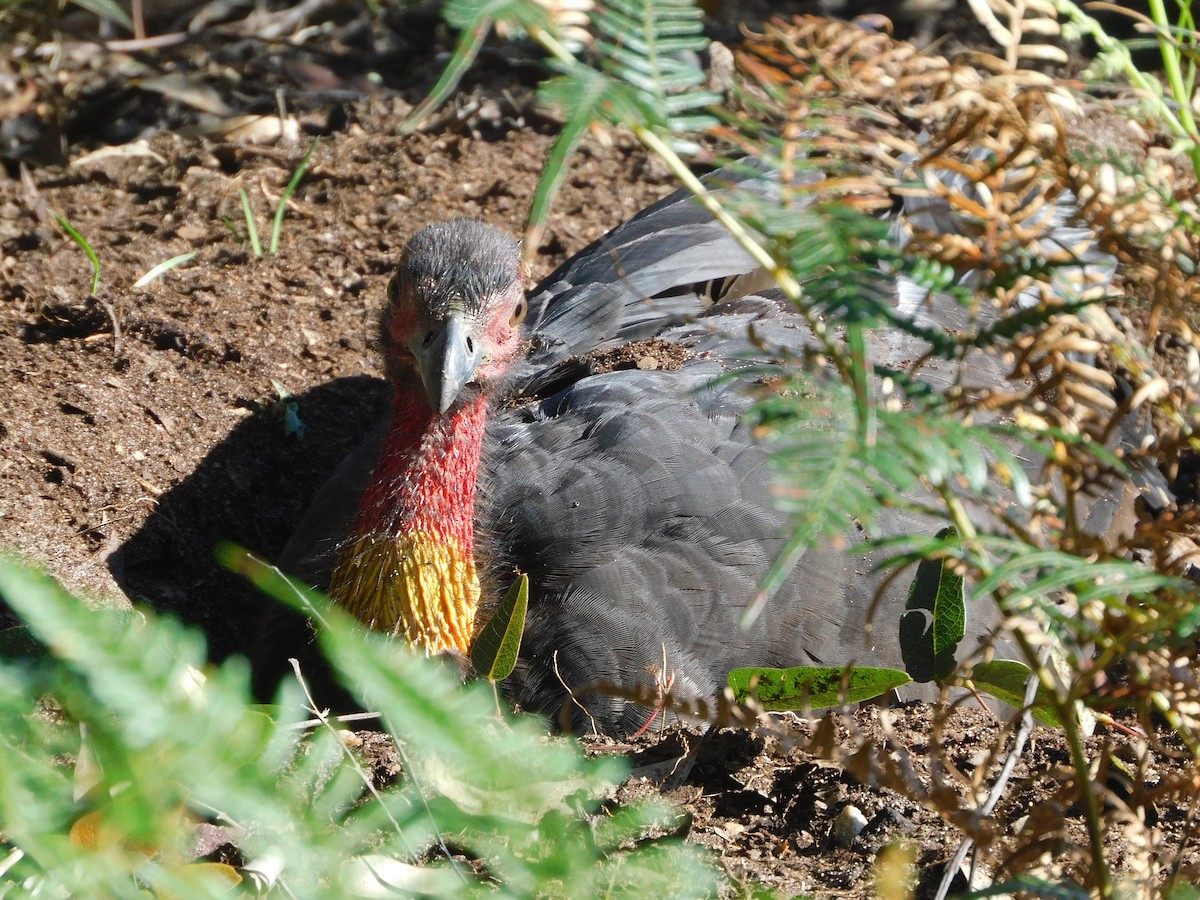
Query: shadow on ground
[251, 489]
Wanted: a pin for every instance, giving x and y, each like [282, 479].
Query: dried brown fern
[984, 138]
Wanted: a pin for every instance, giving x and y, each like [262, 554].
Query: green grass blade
[277, 227]
[237, 235]
[83, 245]
[251, 228]
[469, 43]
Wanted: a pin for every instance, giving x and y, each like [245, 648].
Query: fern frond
[832, 472]
[1012, 25]
[171, 741]
[645, 77]
[1070, 595]
[651, 45]
[474, 19]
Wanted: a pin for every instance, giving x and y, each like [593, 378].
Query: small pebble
[846, 826]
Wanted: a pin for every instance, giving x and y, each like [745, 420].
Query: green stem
[1144, 83]
[551, 44]
[470, 41]
[1170, 57]
[787, 283]
[251, 228]
[1064, 706]
[1068, 714]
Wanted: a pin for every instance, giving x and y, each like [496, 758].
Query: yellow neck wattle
[412, 584]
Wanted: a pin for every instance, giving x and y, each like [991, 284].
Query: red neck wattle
[426, 477]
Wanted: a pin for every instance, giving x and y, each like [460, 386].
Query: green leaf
[812, 687]
[251, 228]
[934, 620]
[293, 183]
[494, 653]
[167, 732]
[1005, 679]
[163, 267]
[83, 245]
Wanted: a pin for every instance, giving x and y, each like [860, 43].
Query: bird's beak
[448, 361]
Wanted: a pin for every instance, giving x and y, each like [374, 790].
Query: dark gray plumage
[637, 500]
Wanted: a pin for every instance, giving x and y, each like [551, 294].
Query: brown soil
[140, 426]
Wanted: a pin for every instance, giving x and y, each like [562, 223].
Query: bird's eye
[518, 315]
[393, 290]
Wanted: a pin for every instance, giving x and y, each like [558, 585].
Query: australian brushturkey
[583, 434]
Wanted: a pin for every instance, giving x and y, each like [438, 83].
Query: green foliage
[645, 44]
[497, 646]
[287, 411]
[837, 471]
[280, 209]
[845, 258]
[1007, 679]
[643, 78]
[164, 267]
[856, 430]
[853, 437]
[107, 9]
[588, 94]
[812, 687]
[169, 739]
[474, 20]
[1178, 43]
[642, 46]
[637, 73]
[1156, 608]
[251, 228]
[80, 240]
[935, 618]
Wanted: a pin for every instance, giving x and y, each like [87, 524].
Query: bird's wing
[644, 512]
[654, 268]
[643, 509]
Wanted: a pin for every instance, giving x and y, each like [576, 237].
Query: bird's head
[455, 307]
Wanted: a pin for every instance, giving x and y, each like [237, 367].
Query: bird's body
[596, 445]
